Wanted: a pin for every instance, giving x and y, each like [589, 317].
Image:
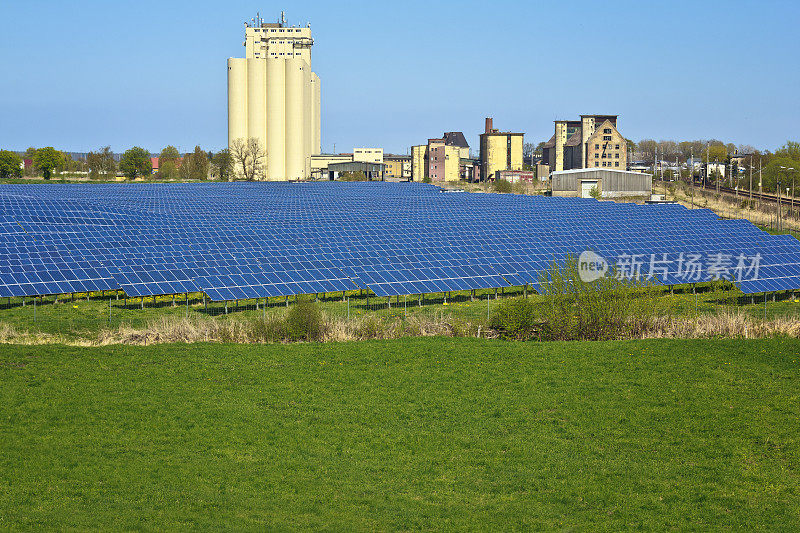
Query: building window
[616, 155]
[606, 137]
[596, 164]
[616, 147]
[616, 163]
[607, 130]
[596, 146]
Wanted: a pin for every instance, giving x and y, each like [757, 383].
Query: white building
[273, 96]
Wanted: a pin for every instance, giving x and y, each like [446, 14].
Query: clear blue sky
[79, 75]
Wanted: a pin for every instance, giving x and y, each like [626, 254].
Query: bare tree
[527, 150]
[248, 158]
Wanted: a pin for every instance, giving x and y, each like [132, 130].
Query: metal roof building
[607, 182]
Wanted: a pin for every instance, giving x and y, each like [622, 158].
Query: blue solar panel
[255, 240]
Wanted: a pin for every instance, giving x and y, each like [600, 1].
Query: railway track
[746, 195]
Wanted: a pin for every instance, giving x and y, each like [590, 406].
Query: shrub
[607, 308]
[426, 179]
[515, 319]
[503, 186]
[305, 321]
[594, 192]
[357, 175]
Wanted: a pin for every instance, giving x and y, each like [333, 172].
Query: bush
[426, 179]
[515, 319]
[305, 322]
[358, 175]
[502, 186]
[607, 308]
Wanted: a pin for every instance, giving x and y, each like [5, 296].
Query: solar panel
[255, 240]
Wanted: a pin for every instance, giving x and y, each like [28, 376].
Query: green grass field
[433, 433]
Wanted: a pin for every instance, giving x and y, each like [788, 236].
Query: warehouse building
[601, 183]
[273, 96]
[499, 151]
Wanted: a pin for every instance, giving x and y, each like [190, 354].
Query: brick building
[591, 142]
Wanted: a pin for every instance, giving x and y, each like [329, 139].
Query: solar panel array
[255, 240]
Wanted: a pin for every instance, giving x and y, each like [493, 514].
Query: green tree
[774, 173]
[46, 160]
[135, 162]
[791, 150]
[195, 165]
[168, 161]
[10, 164]
[221, 164]
[101, 163]
[715, 152]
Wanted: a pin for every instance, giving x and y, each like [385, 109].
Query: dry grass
[10, 335]
[273, 330]
[729, 206]
[729, 325]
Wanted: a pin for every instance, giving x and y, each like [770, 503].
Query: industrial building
[368, 155]
[592, 141]
[499, 151]
[440, 159]
[273, 96]
[398, 166]
[600, 183]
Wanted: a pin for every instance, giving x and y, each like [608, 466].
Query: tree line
[781, 165]
[134, 163]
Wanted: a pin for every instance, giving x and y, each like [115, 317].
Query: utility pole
[760, 182]
[778, 214]
[655, 162]
[691, 174]
[751, 181]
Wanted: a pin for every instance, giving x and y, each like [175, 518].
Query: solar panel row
[255, 240]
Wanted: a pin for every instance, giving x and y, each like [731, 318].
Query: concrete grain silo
[274, 97]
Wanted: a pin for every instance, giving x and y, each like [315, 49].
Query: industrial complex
[274, 101]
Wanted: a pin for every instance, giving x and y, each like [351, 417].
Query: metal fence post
[34, 308]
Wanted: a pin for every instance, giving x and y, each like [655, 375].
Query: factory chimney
[489, 125]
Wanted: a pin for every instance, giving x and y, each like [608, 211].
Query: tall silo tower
[273, 96]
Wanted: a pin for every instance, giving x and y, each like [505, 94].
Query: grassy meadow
[435, 433]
